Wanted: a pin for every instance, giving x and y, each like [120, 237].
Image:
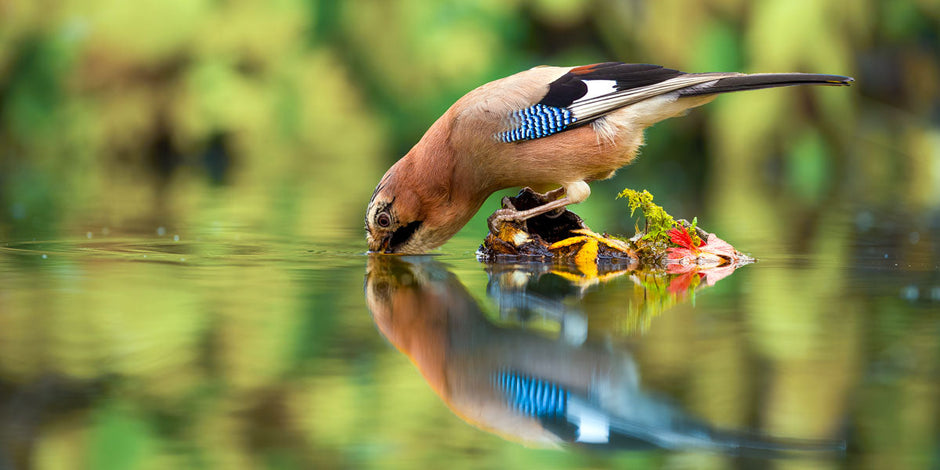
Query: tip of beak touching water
[379, 244]
[404, 239]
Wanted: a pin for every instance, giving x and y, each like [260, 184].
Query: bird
[546, 127]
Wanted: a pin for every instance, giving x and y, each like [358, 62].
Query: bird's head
[396, 219]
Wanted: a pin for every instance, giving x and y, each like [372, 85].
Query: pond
[183, 276]
[230, 348]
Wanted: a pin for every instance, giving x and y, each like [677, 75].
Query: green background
[256, 131]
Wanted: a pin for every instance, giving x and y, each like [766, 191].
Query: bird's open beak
[385, 246]
[381, 245]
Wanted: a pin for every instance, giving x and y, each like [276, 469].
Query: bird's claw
[502, 216]
[506, 214]
[507, 204]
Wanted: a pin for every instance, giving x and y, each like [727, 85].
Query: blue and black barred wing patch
[535, 122]
[533, 397]
[586, 93]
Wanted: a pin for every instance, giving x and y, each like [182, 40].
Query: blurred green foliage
[218, 118]
[125, 114]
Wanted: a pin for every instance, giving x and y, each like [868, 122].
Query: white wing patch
[598, 88]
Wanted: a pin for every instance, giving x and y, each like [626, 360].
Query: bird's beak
[393, 242]
[381, 245]
[385, 245]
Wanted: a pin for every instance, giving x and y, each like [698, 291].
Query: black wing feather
[765, 80]
[564, 91]
[570, 87]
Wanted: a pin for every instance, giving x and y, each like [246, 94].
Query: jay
[557, 127]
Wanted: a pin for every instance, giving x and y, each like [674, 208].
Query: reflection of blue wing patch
[534, 397]
[535, 122]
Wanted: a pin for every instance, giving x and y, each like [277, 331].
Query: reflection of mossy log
[555, 237]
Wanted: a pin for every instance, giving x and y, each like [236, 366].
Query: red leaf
[682, 282]
[680, 236]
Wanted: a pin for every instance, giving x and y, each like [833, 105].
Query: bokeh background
[173, 112]
[229, 119]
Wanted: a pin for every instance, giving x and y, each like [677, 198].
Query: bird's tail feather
[763, 80]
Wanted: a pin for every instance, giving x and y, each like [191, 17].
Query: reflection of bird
[525, 385]
[545, 127]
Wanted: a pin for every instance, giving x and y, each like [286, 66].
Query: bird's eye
[384, 220]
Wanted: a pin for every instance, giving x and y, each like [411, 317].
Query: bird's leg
[574, 193]
[555, 193]
[552, 196]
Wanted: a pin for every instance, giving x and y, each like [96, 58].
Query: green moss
[652, 241]
[658, 221]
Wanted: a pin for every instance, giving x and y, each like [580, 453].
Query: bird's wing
[589, 92]
[586, 93]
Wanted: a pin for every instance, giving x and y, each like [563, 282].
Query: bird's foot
[510, 215]
[503, 216]
[507, 214]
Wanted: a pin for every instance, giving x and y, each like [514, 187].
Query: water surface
[227, 348]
